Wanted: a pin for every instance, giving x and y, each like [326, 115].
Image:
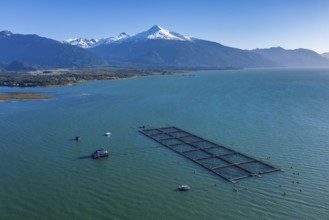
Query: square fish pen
[222, 161]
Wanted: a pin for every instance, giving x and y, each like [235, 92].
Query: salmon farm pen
[223, 161]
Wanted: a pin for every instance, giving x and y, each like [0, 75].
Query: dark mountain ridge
[154, 48]
[188, 54]
[44, 52]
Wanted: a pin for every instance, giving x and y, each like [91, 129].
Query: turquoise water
[278, 113]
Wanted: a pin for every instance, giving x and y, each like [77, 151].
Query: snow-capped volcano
[154, 33]
[158, 33]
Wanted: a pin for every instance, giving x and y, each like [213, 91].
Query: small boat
[101, 152]
[77, 138]
[183, 188]
[108, 134]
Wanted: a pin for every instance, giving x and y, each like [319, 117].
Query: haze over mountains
[293, 58]
[156, 48]
[326, 55]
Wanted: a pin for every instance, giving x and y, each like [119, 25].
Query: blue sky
[245, 24]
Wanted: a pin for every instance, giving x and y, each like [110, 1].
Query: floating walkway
[223, 161]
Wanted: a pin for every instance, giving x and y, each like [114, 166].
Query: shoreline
[66, 77]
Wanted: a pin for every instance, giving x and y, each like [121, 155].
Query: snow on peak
[155, 28]
[123, 35]
[81, 42]
[5, 33]
[110, 40]
[86, 43]
[156, 33]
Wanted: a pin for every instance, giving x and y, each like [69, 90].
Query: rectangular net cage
[221, 160]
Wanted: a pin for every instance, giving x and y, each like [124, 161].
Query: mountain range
[156, 47]
[163, 48]
[88, 43]
[44, 52]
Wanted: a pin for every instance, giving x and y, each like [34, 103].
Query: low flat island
[23, 96]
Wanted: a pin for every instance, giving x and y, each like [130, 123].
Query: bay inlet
[276, 115]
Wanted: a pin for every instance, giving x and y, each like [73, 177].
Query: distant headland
[62, 77]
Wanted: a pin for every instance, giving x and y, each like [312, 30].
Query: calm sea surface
[278, 113]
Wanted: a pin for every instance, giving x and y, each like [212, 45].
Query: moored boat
[184, 188]
[101, 152]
